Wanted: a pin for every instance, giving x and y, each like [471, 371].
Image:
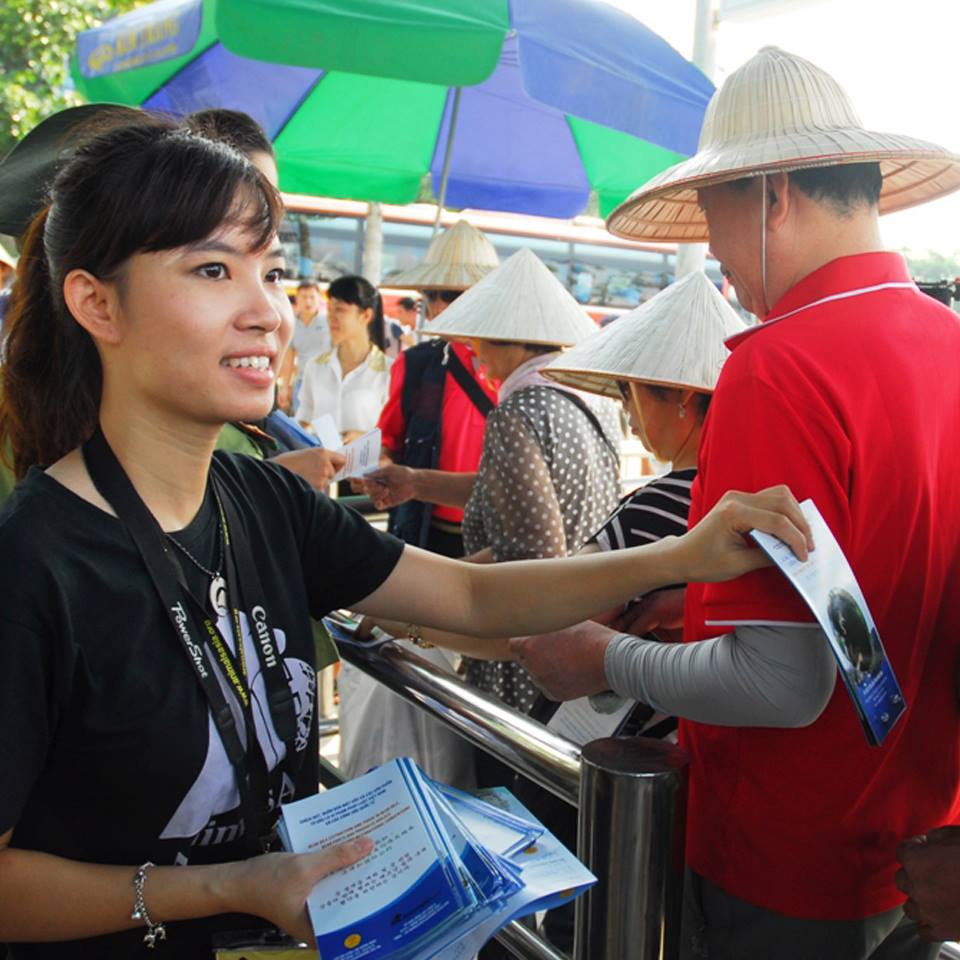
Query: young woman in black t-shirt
[148, 311]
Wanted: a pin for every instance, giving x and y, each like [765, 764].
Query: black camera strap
[196, 630]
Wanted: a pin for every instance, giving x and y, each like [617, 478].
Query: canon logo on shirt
[263, 636]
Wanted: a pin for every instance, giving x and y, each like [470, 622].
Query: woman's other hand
[275, 886]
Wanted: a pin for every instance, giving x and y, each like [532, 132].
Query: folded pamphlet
[363, 455]
[447, 870]
[829, 588]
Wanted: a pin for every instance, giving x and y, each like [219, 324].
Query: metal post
[691, 257]
[447, 156]
[631, 835]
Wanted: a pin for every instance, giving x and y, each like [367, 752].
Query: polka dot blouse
[547, 481]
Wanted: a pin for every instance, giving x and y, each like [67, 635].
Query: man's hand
[660, 613]
[389, 486]
[569, 663]
[316, 465]
[930, 878]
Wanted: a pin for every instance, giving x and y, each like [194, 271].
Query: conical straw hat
[520, 302]
[455, 260]
[779, 112]
[673, 340]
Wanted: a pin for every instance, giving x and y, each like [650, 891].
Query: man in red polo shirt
[849, 392]
[439, 398]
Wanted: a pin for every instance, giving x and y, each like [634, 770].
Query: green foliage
[931, 266]
[36, 40]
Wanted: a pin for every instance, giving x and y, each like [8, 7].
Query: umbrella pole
[447, 155]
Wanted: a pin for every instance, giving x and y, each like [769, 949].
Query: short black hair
[844, 186]
[408, 303]
[307, 285]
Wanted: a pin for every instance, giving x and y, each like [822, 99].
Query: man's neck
[821, 240]
[307, 319]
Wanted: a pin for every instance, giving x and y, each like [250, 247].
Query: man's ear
[93, 304]
[779, 200]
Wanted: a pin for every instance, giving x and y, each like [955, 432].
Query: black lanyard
[184, 612]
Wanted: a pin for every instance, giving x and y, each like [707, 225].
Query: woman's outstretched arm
[536, 596]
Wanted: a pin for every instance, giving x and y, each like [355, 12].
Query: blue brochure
[830, 590]
[431, 887]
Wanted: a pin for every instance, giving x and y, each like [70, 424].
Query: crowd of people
[168, 554]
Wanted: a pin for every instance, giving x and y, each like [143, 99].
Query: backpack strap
[468, 383]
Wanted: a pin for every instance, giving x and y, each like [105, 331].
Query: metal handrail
[526, 746]
[628, 793]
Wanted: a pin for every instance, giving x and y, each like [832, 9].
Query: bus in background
[323, 239]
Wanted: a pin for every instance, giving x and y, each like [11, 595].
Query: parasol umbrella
[549, 101]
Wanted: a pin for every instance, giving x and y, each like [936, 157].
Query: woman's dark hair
[363, 294]
[666, 394]
[137, 188]
[236, 129]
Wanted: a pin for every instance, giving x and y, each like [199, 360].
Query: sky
[898, 61]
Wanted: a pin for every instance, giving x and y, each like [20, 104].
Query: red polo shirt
[461, 424]
[850, 394]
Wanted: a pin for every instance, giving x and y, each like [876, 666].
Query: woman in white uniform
[350, 383]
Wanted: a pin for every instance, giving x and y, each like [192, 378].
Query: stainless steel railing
[630, 796]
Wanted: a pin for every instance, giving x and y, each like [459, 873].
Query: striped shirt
[656, 510]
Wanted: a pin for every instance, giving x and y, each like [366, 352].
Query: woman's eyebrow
[213, 245]
[210, 245]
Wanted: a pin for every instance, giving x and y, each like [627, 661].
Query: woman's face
[656, 422]
[499, 360]
[347, 321]
[201, 328]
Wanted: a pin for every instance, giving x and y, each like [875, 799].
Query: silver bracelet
[155, 931]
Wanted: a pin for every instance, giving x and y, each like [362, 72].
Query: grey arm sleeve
[755, 677]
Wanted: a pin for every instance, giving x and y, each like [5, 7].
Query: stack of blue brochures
[447, 870]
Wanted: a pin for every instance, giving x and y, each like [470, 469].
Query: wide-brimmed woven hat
[29, 168]
[455, 260]
[519, 302]
[779, 112]
[674, 339]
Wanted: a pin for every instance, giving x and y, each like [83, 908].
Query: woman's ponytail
[378, 333]
[51, 375]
